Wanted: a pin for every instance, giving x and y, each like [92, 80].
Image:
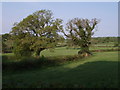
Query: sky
[59, 0]
[106, 12]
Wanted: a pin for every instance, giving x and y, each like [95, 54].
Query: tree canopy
[36, 32]
[79, 31]
[7, 43]
[40, 31]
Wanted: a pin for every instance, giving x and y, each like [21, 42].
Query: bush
[22, 50]
[26, 63]
[116, 44]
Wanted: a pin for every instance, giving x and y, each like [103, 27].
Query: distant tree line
[112, 41]
[7, 42]
[98, 40]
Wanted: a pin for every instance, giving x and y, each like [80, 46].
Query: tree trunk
[85, 51]
[37, 53]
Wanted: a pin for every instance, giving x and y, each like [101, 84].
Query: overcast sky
[107, 12]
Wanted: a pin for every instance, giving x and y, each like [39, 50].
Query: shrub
[26, 63]
[22, 50]
[116, 44]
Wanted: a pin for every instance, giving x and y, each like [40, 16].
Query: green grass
[99, 70]
[105, 44]
[101, 48]
[62, 51]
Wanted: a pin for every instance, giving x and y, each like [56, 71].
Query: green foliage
[6, 37]
[28, 63]
[39, 30]
[80, 32]
[117, 44]
[7, 43]
[21, 50]
[104, 40]
[60, 55]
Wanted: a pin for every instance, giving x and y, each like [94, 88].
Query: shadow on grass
[10, 63]
[98, 74]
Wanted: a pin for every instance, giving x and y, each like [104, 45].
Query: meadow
[97, 71]
[63, 51]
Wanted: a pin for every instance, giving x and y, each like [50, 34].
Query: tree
[36, 32]
[79, 31]
[7, 43]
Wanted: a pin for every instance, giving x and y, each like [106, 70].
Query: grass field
[62, 51]
[56, 52]
[99, 70]
[105, 44]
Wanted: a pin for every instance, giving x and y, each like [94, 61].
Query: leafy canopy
[79, 32]
[37, 32]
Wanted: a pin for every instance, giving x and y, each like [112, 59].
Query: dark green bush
[32, 62]
[21, 50]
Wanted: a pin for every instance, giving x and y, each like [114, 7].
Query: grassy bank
[99, 70]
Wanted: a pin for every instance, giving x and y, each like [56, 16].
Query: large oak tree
[36, 32]
[79, 31]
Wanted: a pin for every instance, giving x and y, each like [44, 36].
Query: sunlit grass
[99, 70]
[62, 51]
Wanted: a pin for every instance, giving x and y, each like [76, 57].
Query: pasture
[43, 50]
[62, 51]
[97, 71]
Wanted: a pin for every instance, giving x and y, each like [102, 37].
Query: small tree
[37, 32]
[7, 43]
[79, 31]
